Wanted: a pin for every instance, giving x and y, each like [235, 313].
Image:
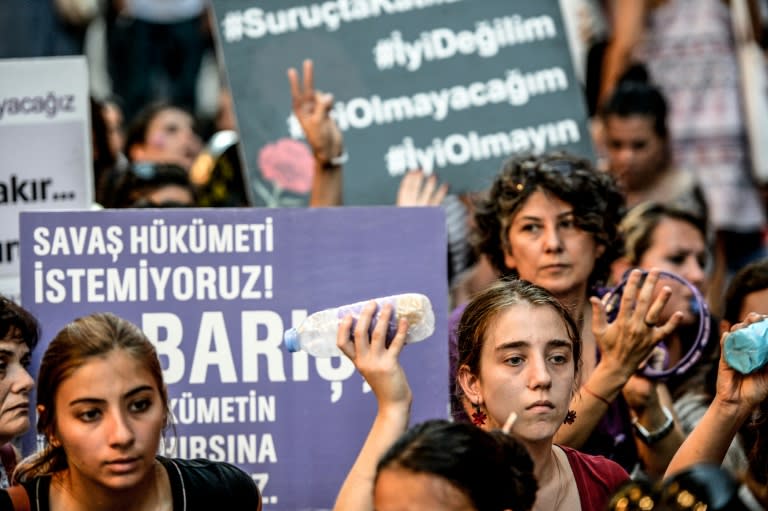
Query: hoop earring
[478, 418]
[570, 417]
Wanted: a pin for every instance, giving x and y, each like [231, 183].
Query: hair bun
[635, 73]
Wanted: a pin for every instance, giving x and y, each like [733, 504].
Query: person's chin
[557, 283]
[16, 427]
[124, 477]
[538, 430]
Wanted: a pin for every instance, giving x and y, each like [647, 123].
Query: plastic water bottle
[317, 333]
[746, 349]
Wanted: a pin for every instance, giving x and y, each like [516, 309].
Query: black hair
[491, 468]
[752, 277]
[136, 132]
[635, 95]
[103, 159]
[143, 178]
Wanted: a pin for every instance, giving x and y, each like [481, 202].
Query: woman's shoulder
[202, 483]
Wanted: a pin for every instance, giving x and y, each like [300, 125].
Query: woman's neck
[541, 453]
[72, 492]
[553, 476]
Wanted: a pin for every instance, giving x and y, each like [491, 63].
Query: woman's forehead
[543, 198]
[517, 321]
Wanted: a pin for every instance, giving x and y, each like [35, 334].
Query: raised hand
[312, 109]
[417, 189]
[736, 396]
[743, 390]
[378, 363]
[380, 367]
[630, 338]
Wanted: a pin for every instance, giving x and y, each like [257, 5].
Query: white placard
[45, 147]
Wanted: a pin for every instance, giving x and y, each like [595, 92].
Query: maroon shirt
[597, 478]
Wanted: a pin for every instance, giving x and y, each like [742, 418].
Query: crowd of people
[590, 300]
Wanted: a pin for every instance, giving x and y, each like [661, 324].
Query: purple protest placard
[215, 290]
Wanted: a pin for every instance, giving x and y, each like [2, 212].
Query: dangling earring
[478, 418]
[570, 417]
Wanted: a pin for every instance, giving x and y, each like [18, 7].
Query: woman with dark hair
[102, 406]
[639, 150]
[553, 220]
[19, 333]
[688, 47]
[163, 133]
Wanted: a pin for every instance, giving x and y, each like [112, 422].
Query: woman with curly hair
[553, 220]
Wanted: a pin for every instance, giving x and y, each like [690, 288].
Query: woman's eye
[141, 405]
[530, 228]
[514, 361]
[676, 260]
[89, 415]
[558, 359]
[567, 223]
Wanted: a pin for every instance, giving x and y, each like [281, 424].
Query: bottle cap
[291, 340]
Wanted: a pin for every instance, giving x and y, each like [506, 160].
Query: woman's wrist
[654, 424]
[330, 157]
[734, 410]
[399, 412]
[608, 379]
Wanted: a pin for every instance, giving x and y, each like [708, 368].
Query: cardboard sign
[45, 148]
[215, 289]
[452, 87]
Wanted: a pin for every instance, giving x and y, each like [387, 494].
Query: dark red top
[597, 478]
